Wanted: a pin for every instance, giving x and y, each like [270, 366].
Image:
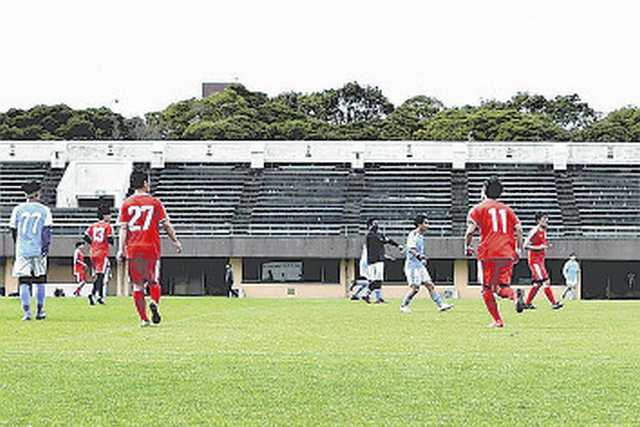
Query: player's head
[492, 188]
[542, 218]
[572, 256]
[140, 181]
[32, 189]
[421, 222]
[372, 223]
[104, 213]
[80, 244]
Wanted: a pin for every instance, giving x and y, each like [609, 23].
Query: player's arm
[171, 232]
[46, 233]
[86, 237]
[122, 238]
[472, 227]
[527, 242]
[518, 228]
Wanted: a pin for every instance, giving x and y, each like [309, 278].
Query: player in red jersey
[79, 268]
[537, 244]
[99, 236]
[500, 245]
[141, 217]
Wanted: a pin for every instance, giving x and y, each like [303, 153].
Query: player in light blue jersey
[415, 267]
[30, 225]
[570, 271]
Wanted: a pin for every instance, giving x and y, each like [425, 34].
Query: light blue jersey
[29, 220]
[415, 240]
[570, 271]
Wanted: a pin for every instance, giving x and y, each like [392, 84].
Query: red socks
[490, 302]
[155, 291]
[549, 293]
[141, 305]
[532, 294]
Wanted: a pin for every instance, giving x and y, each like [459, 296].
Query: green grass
[319, 362]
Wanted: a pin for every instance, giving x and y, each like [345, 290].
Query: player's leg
[155, 290]
[435, 295]
[39, 280]
[80, 280]
[550, 296]
[414, 285]
[98, 284]
[537, 277]
[136, 276]
[504, 268]
[485, 276]
[24, 285]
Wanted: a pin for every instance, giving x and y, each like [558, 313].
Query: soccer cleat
[381, 301]
[520, 305]
[100, 301]
[405, 309]
[355, 298]
[26, 317]
[92, 301]
[498, 324]
[445, 307]
[366, 299]
[530, 307]
[144, 323]
[41, 315]
[76, 293]
[155, 313]
[557, 306]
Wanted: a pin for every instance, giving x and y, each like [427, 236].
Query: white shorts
[417, 276]
[375, 272]
[572, 284]
[28, 266]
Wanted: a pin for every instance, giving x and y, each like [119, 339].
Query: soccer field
[319, 362]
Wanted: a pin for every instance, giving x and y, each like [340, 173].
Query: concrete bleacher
[200, 198]
[224, 199]
[299, 199]
[608, 199]
[527, 189]
[398, 192]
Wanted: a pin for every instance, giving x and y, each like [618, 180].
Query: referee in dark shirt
[376, 242]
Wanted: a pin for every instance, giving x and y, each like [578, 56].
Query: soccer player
[141, 216]
[99, 236]
[79, 267]
[30, 226]
[415, 267]
[570, 271]
[375, 245]
[537, 244]
[499, 248]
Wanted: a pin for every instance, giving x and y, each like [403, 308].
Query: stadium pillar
[10, 282]
[461, 276]
[347, 274]
[122, 290]
[236, 267]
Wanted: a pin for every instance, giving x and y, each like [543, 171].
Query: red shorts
[494, 272]
[81, 276]
[99, 263]
[538, 271]
[144, 268]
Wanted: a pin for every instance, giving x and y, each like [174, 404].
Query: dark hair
[493, 187]
[138, 177]
[370, 221]
[103, 211]
[572, 254]
[419, 219]
[79, 243]
[31, 187]
[539, 215]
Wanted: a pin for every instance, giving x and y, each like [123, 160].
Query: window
[274, 270]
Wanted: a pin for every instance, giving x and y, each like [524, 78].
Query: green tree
[621, 125]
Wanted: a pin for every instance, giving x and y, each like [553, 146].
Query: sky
[137, 56]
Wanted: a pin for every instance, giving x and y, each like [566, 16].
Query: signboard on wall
[282, 271]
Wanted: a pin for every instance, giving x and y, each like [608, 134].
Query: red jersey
[99, 234]
[497, 223]
[78, 262]
[142, 214]
[537, 236]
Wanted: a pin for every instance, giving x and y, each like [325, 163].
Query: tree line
[352, 112]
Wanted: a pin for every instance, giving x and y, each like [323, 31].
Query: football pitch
[319, 362]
